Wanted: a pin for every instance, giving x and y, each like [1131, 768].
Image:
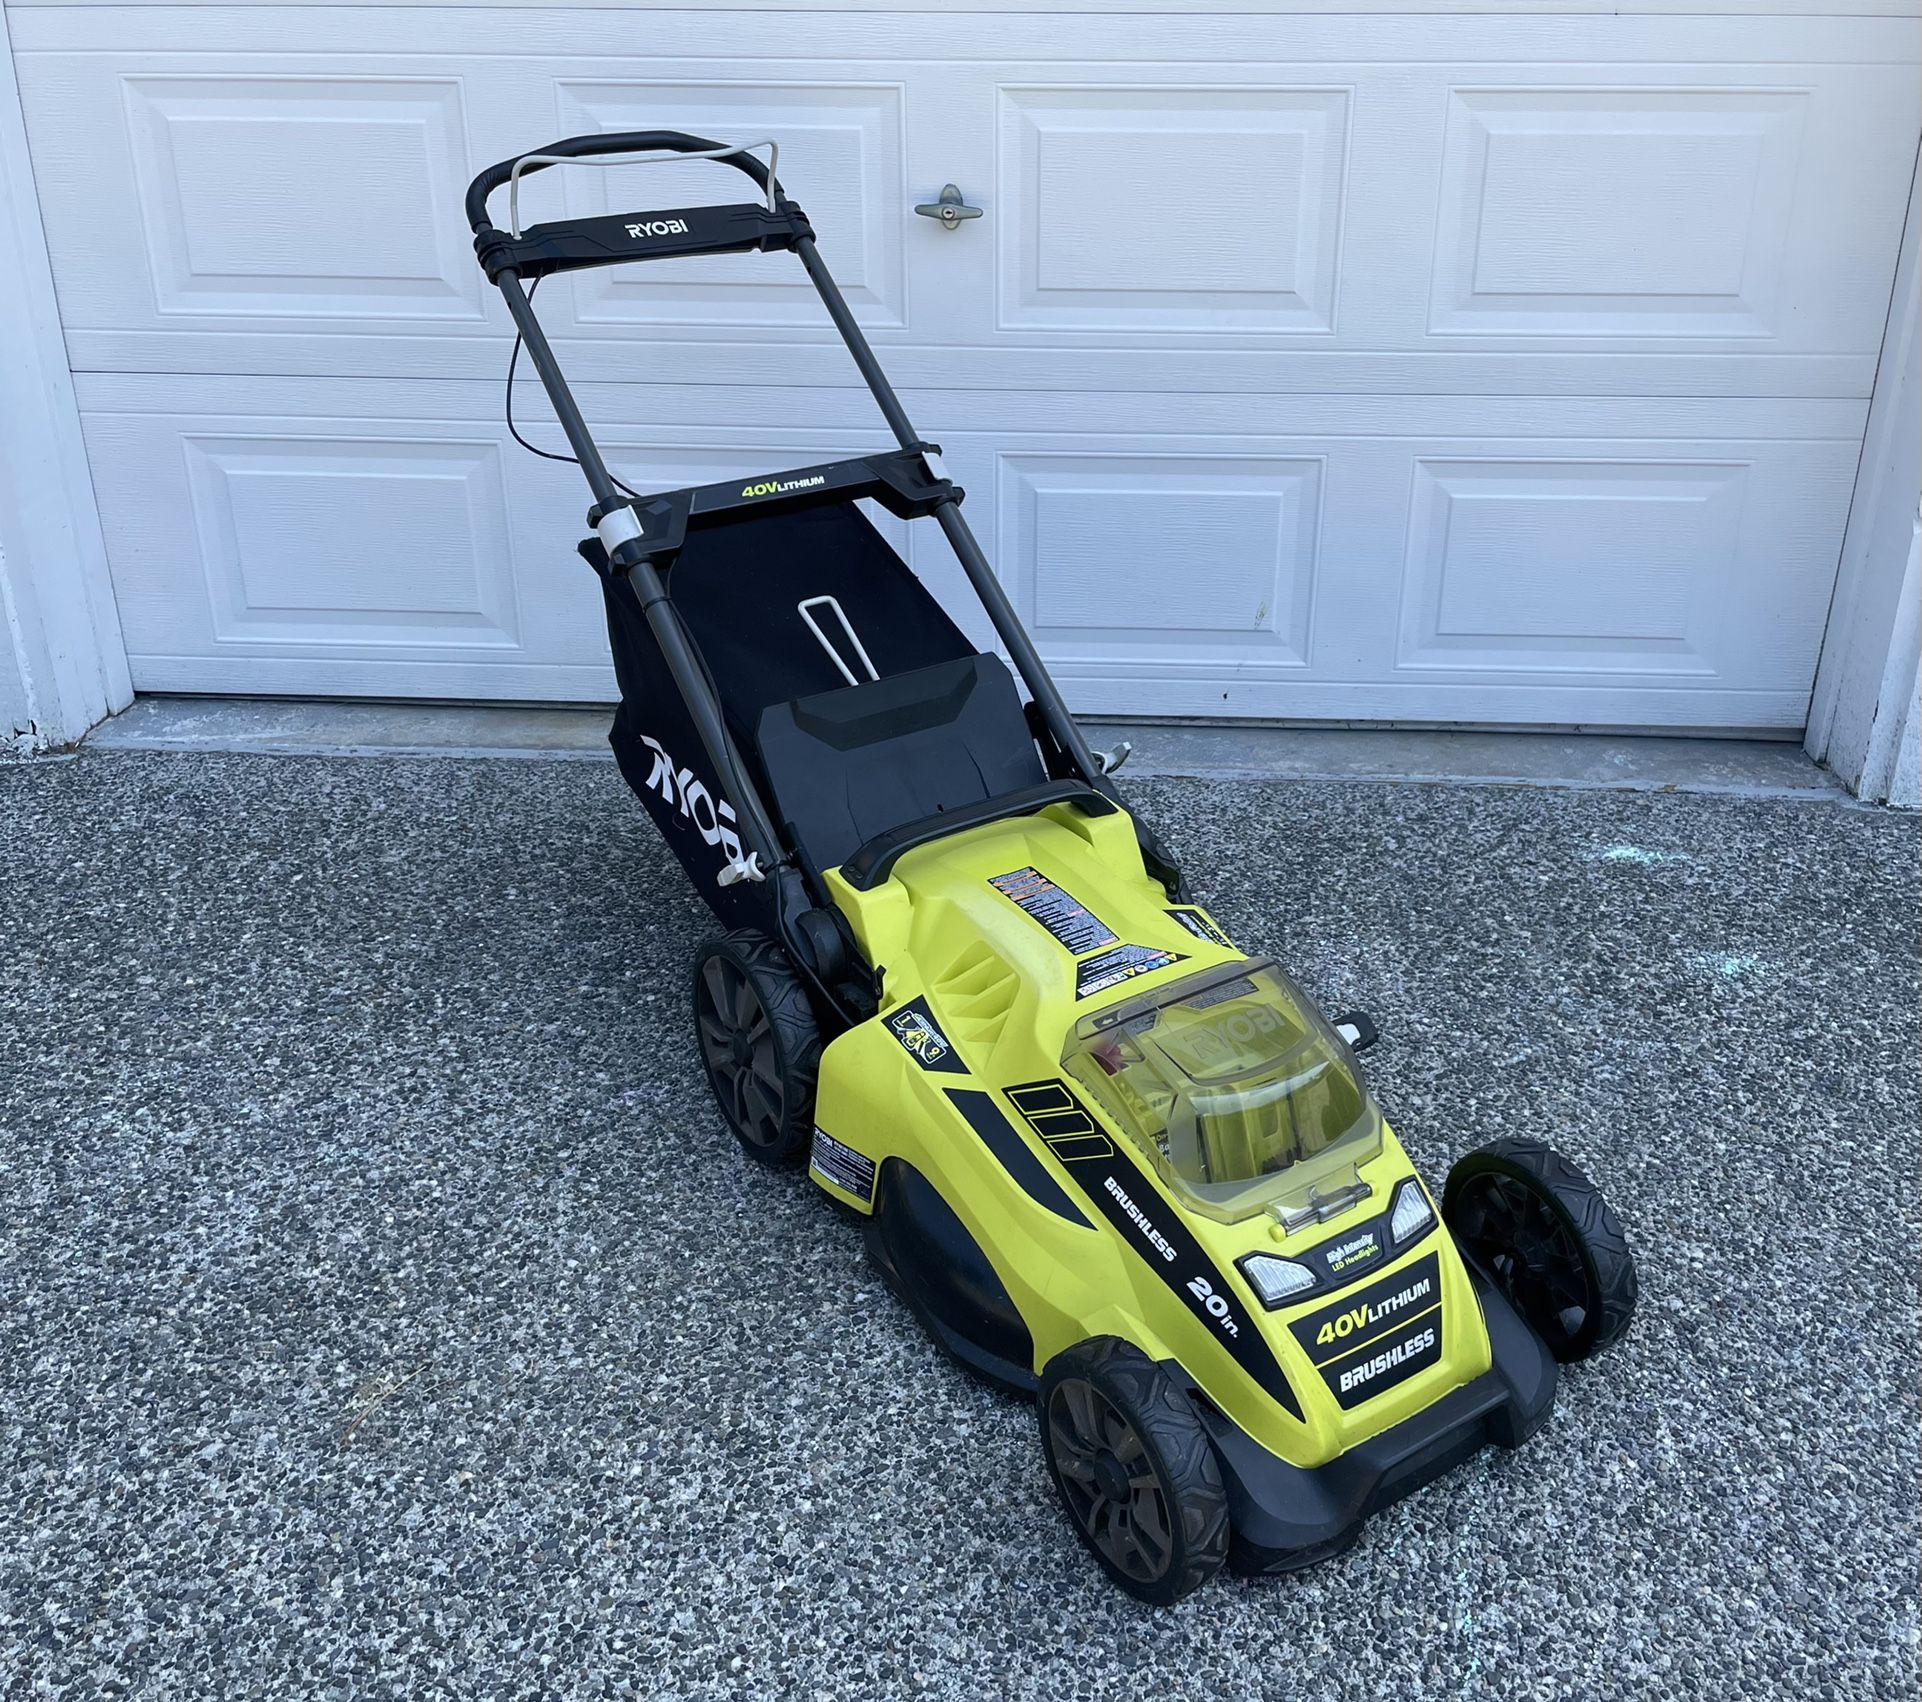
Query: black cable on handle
[513, 430]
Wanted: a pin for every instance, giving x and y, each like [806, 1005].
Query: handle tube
[857, 342]
[630, 556]
[690, 679]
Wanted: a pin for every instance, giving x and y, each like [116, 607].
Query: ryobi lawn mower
[1104, 1156]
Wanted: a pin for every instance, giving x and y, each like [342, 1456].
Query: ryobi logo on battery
[1386, 1333]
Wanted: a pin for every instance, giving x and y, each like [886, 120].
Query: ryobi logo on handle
[657, 227]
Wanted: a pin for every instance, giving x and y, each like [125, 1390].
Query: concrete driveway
[386, 1313]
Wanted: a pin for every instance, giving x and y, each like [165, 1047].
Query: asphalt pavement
[387, 1313]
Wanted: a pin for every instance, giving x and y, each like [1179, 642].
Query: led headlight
[1277, 1281]
[1411, 1213]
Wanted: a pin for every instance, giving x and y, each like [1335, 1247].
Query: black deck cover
[847, 765]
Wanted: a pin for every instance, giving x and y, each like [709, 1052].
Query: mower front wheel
[1542, 1230]
[1134, 1469]
[759, 1044]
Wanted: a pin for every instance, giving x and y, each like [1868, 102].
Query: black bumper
[1285, 1517]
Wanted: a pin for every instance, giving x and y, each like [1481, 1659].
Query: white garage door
[1485, 368]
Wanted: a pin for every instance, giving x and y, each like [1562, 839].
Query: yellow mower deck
[960, 1077]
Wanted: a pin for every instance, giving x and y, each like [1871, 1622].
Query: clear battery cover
[1237, 1088]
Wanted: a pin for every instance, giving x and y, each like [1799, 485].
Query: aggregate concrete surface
[387, 1314]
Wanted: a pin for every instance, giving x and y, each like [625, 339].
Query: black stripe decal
[1004, 1140]
[1124, 1195]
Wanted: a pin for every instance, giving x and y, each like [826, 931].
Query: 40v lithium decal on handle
[1119, 1190]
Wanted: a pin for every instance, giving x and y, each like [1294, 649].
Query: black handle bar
[611, 142]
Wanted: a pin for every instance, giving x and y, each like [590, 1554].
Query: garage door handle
[950, 209]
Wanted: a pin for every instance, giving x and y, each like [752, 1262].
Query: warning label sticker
[850, 1171]
[1070, 921]
[1111, 968]
[914, 1026]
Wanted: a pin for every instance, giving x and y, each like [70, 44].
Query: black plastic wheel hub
[1532, 1252]
[1109, 1481]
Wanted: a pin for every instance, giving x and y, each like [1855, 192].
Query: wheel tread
[784, 1000]
[1599, 1230]
[1175, 1433]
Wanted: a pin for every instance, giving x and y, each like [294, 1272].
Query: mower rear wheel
[1546, 1235]
[759, 1044]
[1134, 1469]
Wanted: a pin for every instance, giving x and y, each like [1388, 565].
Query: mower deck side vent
[976, 994]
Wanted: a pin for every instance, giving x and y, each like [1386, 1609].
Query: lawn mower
[1104, 1156]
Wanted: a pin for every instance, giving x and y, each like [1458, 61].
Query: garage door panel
[319, 538]
[1537, 566]
[182, 202]
[1145, 554]
[1642, 213]
[216, 161]
[1100, 227]
[353, 541]
[199, 199]
[1711, 563]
